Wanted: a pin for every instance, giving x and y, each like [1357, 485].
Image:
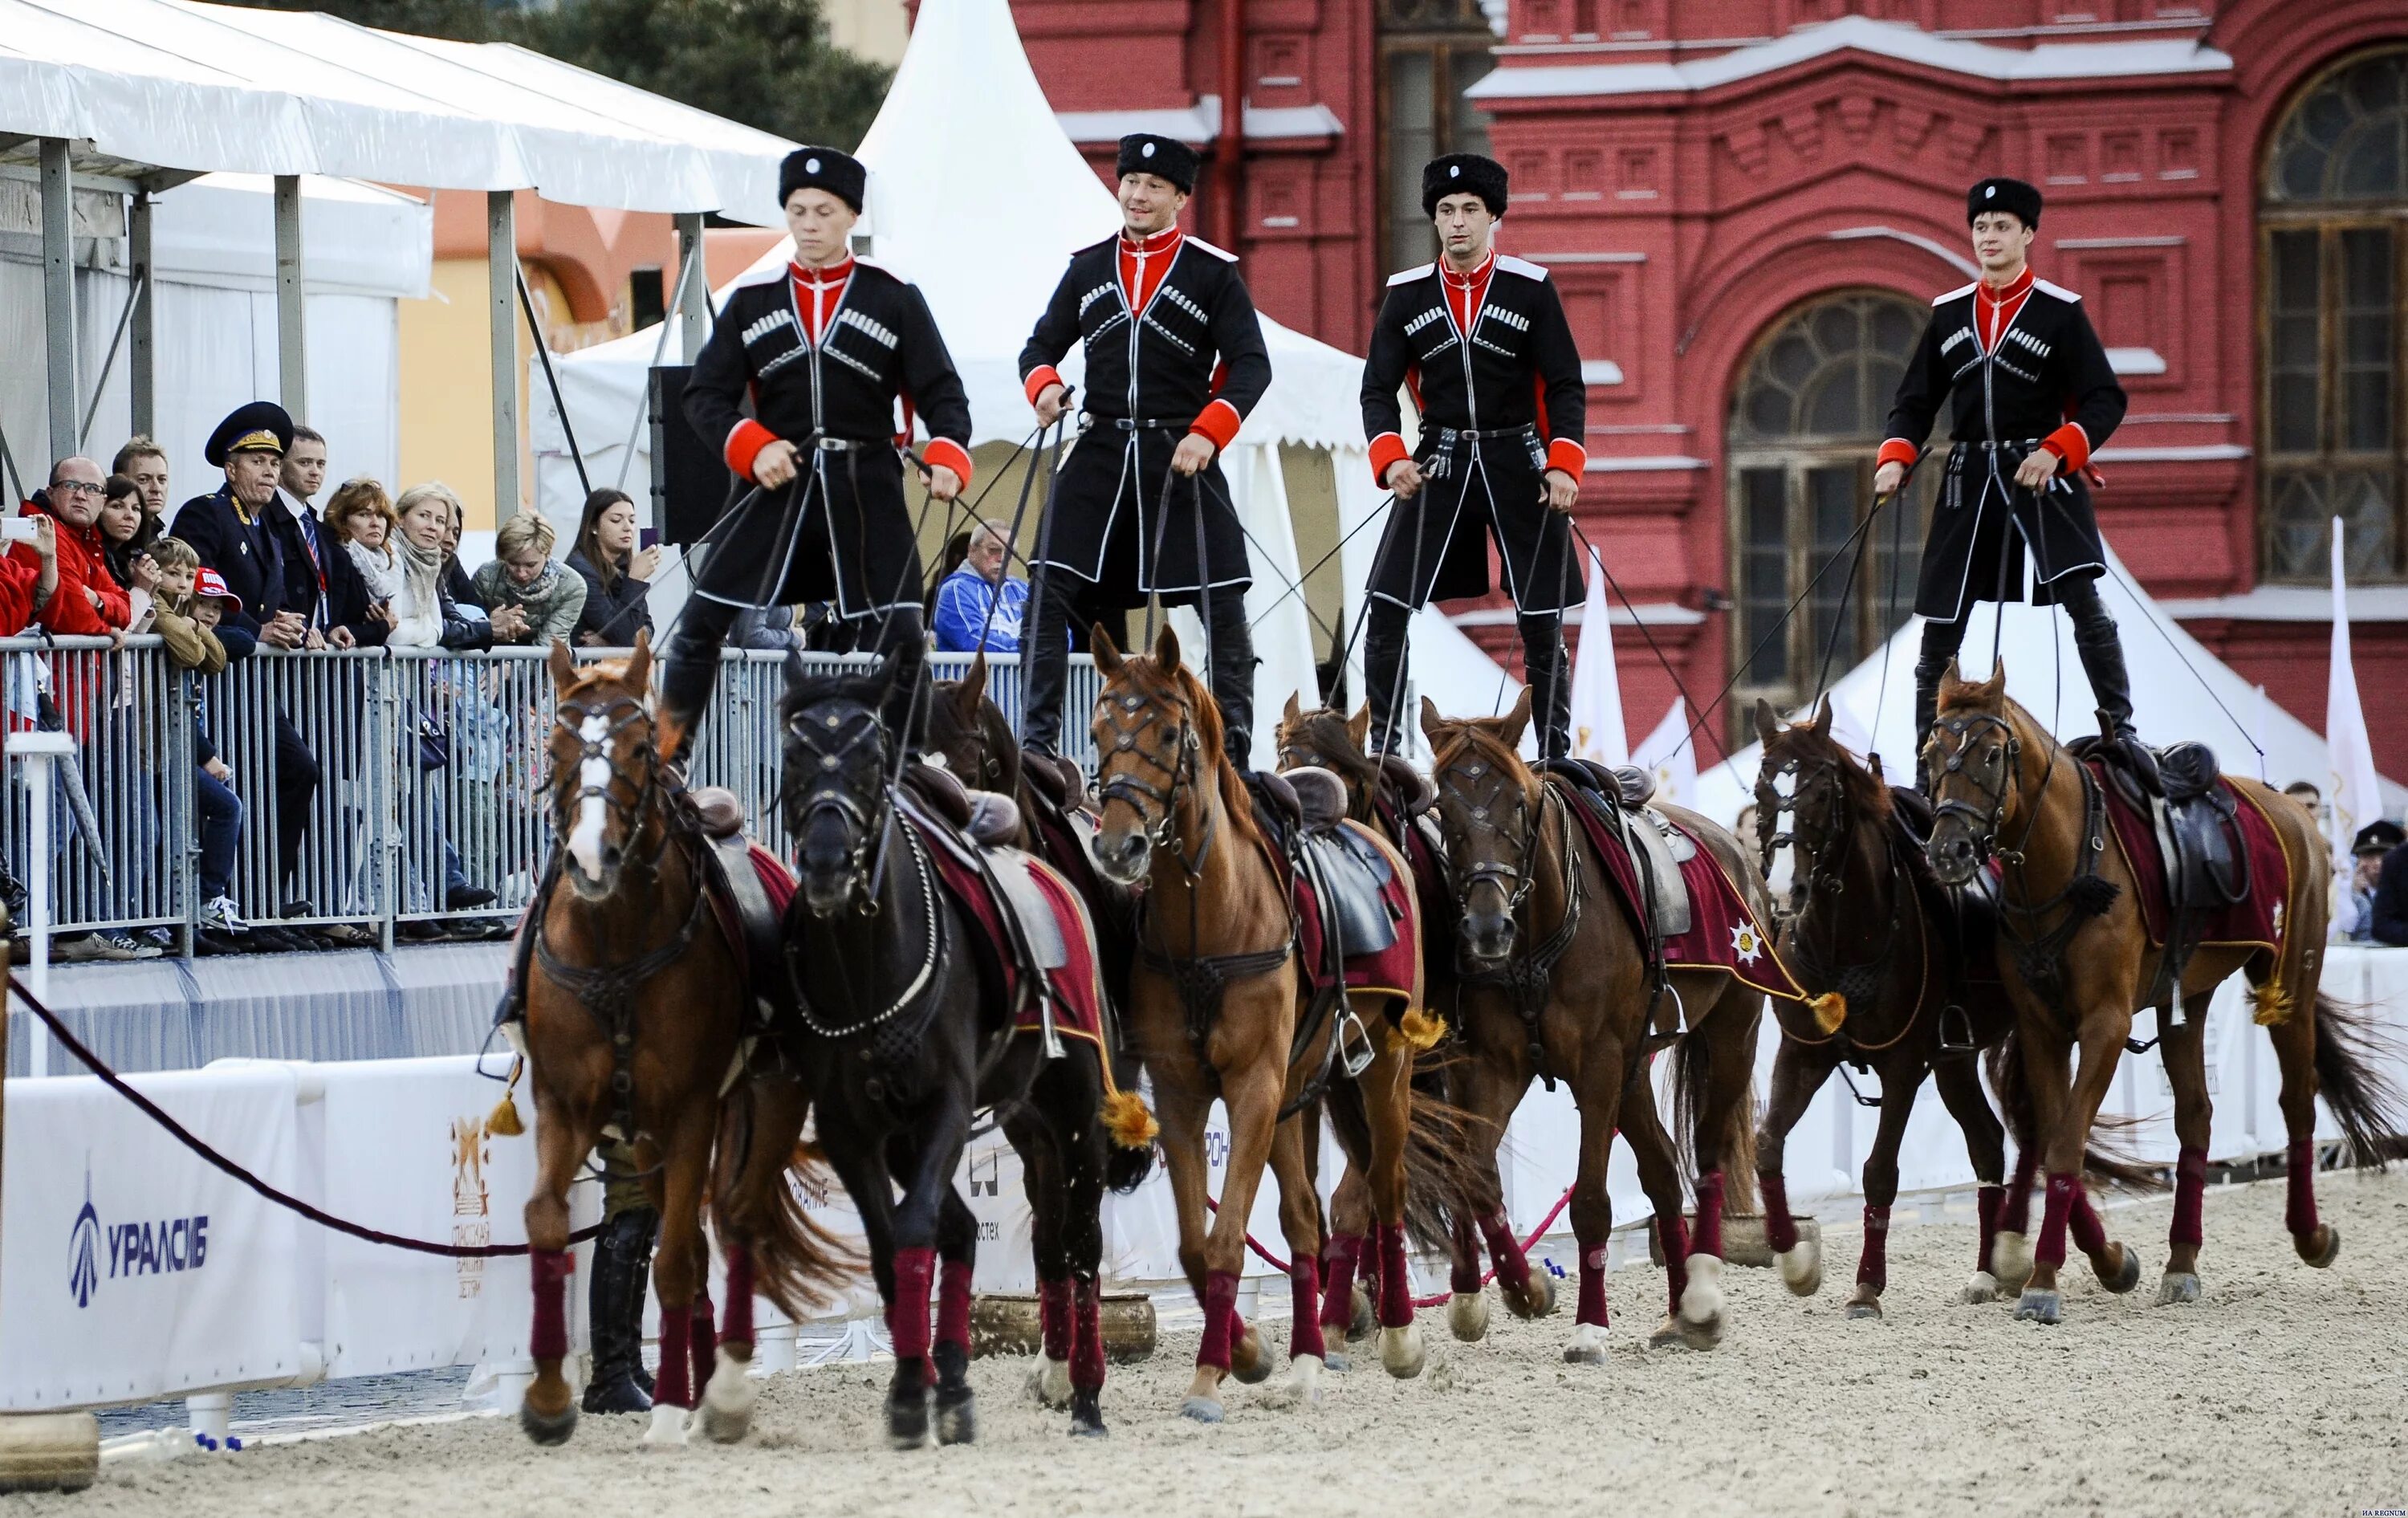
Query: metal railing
[376, 786]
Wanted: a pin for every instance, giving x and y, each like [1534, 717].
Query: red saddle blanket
[1076, 987]
[1723, 934]
[776, 884]
[2256, 919]
[1389, 969]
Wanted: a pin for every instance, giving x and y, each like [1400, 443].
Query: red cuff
[1566, 455]
[950, 453]
[745, 444]
[1038, 378]
[1897, 451]
[1387, 451]
[2070, 443]
[1217, 424]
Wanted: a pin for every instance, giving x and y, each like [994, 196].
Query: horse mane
[1865, 793]
[808, 689]
[1326, 731]
[1179, 683]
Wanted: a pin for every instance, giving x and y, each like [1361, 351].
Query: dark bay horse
[901, 1038]
[2077, 959]
[1214, 1011]
[1552, 969]
[636, 1006]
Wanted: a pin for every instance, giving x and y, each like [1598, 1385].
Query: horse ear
[1768, 726]
[639, 664]
[1293, 713]
[1166, 647]
[970, 690]
[1108, 654]
[1996, 685]
[890, 669]
[563, 666]
[1431, 721]
[1517, 720]
[794, 671]
[1822, 723]
[1359, 727]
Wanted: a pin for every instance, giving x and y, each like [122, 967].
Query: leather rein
[1825, 876]
[1527, 978]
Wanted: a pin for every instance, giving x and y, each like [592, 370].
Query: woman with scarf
[522, 574]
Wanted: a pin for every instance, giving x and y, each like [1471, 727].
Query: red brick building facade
[1748, 204]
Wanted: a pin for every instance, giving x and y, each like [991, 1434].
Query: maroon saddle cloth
[1075, 985]
[2256, 917]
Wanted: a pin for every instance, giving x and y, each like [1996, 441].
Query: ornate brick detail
[1855, 113]
[1803, 127]
[1911, 125]
[1746, 147]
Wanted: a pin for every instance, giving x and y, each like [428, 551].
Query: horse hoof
[1801, 1268]
[1248, 1360]
[1302, 1388]
[727, 1400]
[1667, 1334]
[907, 1419]
[2177, 1288]
[957, 1417]
[1049, 1382]
[2316, 1258]
[548, 1429]
[1538, 1301]
[2010, 1261]
[1087, 1413]
[1400, 1351]
[1701, 1303]
[1866, 1303]
[2037, 1306]
[1984, 1287]
[1467, 1316]
[1204, 1409]
[666, 1431]
[2127, 1274]
[1339, 1361]
[1359, 1326]
[1587, 1346]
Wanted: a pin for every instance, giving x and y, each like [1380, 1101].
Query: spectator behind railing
[321, 582]
[87, 600]
[361, 518]
[980, 604]
[191, 602]
[617, 574]
[126, 533]
[425, 614]
[145, 463]
[522, 576]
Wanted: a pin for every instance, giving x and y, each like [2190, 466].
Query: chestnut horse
[635, 1007]
[1212, 1012]
[1522, 866]
[2076, 958]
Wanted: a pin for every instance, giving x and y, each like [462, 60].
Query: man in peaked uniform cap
[1482, 342]
[799, 387]
[1175, 361]
[2030, 396]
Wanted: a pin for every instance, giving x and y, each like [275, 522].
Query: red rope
[1442, 1299]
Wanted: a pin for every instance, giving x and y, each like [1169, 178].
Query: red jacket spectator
[19, 581]
[81, 568]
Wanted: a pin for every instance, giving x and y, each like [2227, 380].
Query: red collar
[2014, 289]
[1465, 281]
[836, 273]
[1161, 242]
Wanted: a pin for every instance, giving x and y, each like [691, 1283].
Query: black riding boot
[1232, 675]
[1045, 660]
[2101, 649]
[1383, 672]
[690, 668]
[1940, 642]
[1545, 661]
[623, 1256]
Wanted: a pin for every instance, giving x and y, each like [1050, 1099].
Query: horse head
[1975, 758]
[1489, 807]
[605, 764]
[1154, 725]
[968, 735]
[1822, 787]
[833, 790]
[1333, 741]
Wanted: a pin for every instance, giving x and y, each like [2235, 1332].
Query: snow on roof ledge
[1201, 121]
[1886, 40]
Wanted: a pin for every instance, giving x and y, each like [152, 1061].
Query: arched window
[1806, 419]
[2335, 261]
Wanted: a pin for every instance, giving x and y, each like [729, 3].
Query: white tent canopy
[142, 84]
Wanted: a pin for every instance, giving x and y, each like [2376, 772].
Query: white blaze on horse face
[592, 811]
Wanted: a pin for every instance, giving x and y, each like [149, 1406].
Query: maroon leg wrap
[736, 1323]
[1337, 1281]
[1709, 1215]
[1873, 1268]
[2014, 1210]
[1464, 1277]
[1396, 1286]
[1304, 1291]
[1505, 1252]
[1672, 1237]
[1989, 1203]
[906, 1315]
[701, 1347]
[1592, 1289]
[2190, 1198]
[672, 1388]
[954, 1304]
[1054, 1319]
[2089, 1233]
[1087, 1343]
[1220, 1319]
[548, 1339]
[2049, 1249]
[2300, 1211]
[1780, 1228]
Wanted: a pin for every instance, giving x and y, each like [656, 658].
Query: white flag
[1596, 685]
[1671, 753]
[2357, 795]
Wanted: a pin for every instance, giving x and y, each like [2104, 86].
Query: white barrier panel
[133, 1268]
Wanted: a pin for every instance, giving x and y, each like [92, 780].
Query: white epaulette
[1421, 271]
[761, 276]
[1222, 254]
[2058, 290]
[1522, 266]
[1946, 296]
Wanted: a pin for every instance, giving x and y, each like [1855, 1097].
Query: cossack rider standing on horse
[2030, 397]
[799, 387]
[1175, 362]
[1482, 342]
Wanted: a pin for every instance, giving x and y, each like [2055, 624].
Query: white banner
[131, 1268]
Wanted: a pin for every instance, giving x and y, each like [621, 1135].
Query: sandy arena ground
[2283, 1392]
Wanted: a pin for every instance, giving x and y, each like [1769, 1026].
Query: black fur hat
[1998, 194]
[822, 169]
[1458, 173]
[1142, 152]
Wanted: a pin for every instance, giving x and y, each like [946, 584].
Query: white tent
[978, 197]
[2179, 691]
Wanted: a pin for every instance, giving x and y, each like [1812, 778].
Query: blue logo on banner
[83, 1246]
[169, 1245]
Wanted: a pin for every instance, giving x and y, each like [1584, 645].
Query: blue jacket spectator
[979, 605]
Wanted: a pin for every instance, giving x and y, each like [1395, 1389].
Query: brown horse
[1869, 938]
[1212, 1011]
[2076, 958]
[1549, 986]
[635, 1011]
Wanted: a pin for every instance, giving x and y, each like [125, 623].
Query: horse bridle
[868, 822]
[1184, 770]
[1770, 804]
[1514, 880]
[1981, 824]
[621, 712]
[1827, 874]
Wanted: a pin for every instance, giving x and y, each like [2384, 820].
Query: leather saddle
[1621, 796]
[2197, 822]
[737, 895]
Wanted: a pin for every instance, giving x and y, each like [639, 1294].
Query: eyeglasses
[74, 487]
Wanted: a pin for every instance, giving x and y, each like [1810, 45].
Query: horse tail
[1692, 1068]
[797, 1263]
[1442, 1175]
[2107, 1161]
[2350, 1059]
[2010, 1082]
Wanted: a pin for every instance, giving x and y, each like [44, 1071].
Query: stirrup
[1355, 1050]
[1956, 1037]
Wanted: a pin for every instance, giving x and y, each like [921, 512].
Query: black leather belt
[847, 445]
[1139, 424]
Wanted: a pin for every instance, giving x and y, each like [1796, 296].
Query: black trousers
[1546, 666]
[296, 787]
[1045, 657]
[2095, 639]
[690, 668]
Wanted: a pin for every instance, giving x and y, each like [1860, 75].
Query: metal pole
[291, 359]
[501, 310]
[142, 363]
[39, 748]
[58, 296]
[694, 295]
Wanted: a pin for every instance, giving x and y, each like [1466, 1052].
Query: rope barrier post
[38, 750]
